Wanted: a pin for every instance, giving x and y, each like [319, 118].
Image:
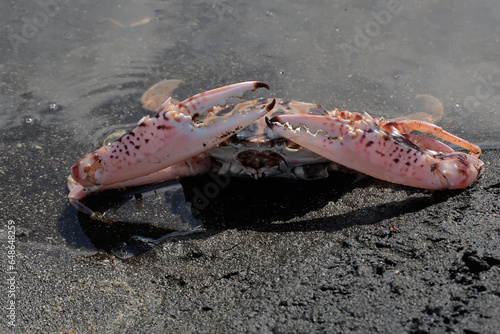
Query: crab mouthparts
[259, 159]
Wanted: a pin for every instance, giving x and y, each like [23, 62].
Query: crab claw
[360, 144]
[219, 96]
[174, 134]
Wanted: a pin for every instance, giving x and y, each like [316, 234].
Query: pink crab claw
[377, 148]
[176, 134]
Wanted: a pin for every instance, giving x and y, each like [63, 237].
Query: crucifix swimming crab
[273, 138]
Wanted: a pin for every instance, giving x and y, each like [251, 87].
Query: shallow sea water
[71, 70]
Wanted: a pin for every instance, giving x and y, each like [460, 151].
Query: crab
[273, 138]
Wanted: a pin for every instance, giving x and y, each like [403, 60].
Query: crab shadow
[278, 206]
[135, 220]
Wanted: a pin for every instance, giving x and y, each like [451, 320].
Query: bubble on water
[51, 107]
[29, 119]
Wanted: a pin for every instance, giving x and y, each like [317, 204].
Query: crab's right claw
[174, 134]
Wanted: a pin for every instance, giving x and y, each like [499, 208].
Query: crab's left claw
[358, 142]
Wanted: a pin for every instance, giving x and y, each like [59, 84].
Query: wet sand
[350, 254]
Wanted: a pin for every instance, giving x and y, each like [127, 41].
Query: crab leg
[167, 138]
[406, 126]
[358, 142]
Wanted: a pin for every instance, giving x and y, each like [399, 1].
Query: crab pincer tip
[259, 84]
[271, 105]
[271, 122]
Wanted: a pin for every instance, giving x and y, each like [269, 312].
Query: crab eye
[223, 144]
[290, 145]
